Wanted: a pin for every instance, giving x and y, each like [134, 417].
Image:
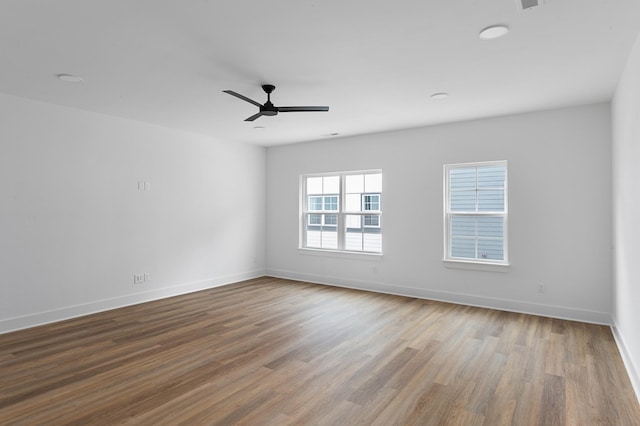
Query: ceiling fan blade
[254, 116]
[244, 98]
[302, 108]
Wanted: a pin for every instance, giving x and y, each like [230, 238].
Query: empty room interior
[320, 212]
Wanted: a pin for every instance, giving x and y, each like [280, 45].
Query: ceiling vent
[528, 4]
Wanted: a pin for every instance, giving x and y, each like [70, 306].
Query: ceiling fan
[269, 109]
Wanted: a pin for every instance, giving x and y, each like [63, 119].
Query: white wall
[74, 227]
[626, 214]
[560, 212]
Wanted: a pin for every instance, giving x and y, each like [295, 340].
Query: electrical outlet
[540, 288]
[147, 277]
[138, 278]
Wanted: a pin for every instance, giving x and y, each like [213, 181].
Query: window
[342, 211]
[475, 212]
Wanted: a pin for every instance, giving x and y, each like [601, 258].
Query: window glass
[373, 183]
[315, 203]
[355, 184]
[371, 202]
[371, 220]
[331, 203]
[315, 219]
[331, 184]
[314, 185]
[353, 202]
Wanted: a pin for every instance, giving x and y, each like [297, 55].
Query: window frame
[341, 213]
[448, 214]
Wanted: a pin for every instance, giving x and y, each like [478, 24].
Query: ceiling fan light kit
[269, 109]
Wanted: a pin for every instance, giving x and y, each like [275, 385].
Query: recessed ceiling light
[439, 96]
[70, 78]
[493, 32]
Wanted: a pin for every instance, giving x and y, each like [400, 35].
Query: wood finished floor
[272, 351]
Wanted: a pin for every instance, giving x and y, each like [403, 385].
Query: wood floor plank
[553, 399]
[273, 351]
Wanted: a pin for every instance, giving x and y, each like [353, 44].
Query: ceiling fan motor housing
[269, 110]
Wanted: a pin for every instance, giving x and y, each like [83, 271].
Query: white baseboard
[32, 320]
[632, 370]
[560, 312]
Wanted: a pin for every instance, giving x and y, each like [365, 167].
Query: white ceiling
[374, 62]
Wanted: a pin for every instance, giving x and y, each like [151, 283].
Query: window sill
[341, 254]
[476, 265]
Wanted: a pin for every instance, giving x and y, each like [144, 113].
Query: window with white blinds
[475, 212]
[342, 211]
